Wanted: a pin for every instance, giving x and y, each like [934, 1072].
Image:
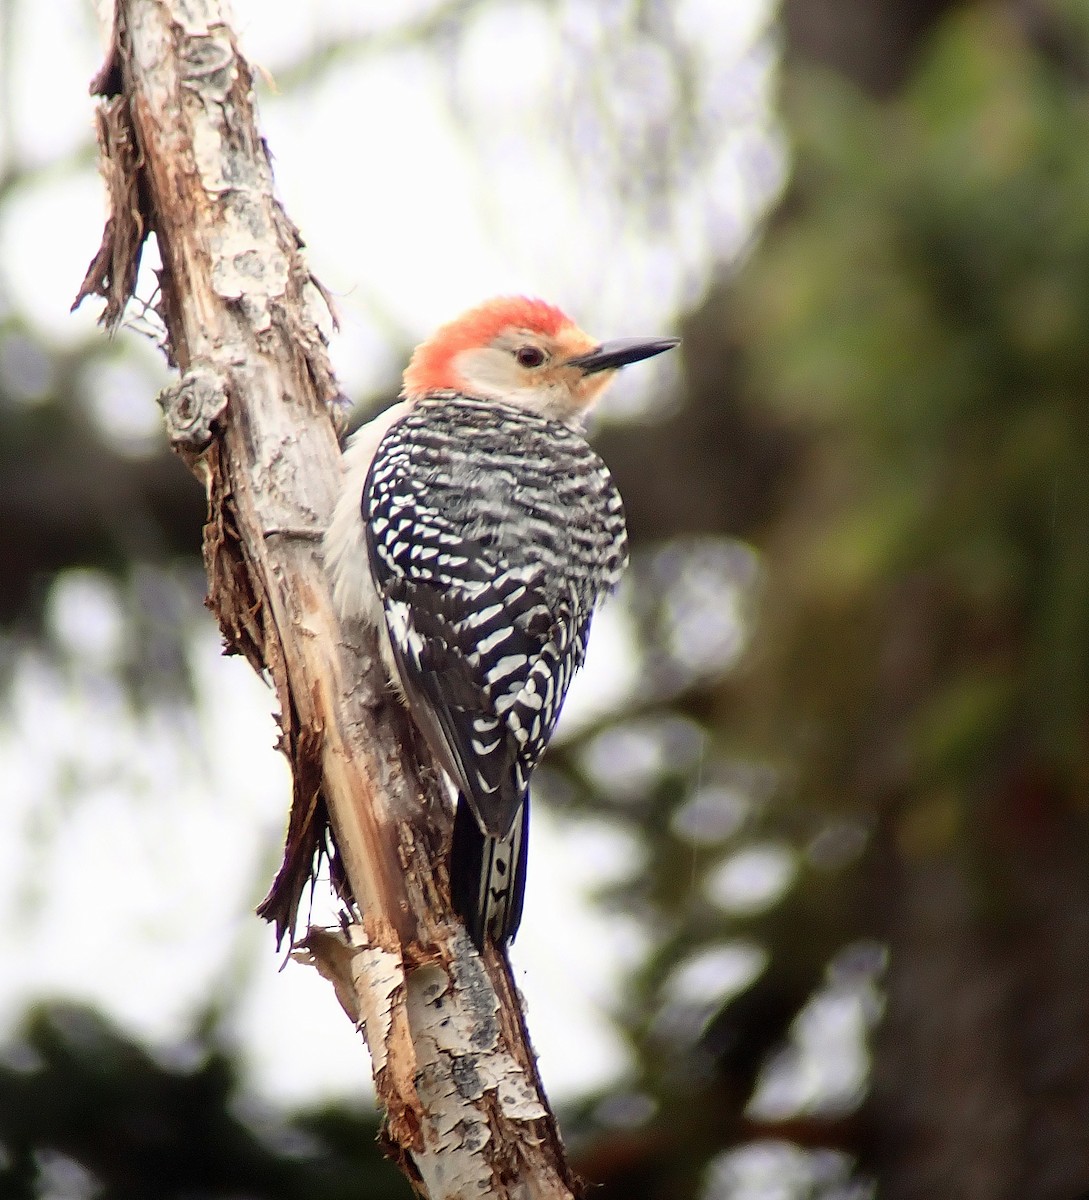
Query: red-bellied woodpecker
[478, 531]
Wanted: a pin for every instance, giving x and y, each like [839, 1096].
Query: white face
[530, 370]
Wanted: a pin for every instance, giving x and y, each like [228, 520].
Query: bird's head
[525, 353]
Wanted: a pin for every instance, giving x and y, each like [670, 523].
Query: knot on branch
[192, 406]
[209, 59]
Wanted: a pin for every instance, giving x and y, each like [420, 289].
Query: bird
[477, 531]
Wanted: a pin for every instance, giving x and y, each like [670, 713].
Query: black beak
[610, 355]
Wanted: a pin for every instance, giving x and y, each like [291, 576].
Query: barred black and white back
[491, 535]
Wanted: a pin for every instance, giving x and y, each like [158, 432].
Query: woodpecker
[478, 531]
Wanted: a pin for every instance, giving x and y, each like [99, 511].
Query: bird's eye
[529, 356]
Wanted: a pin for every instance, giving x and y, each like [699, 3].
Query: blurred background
[808, 912]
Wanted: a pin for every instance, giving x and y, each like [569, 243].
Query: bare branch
[466, 1115]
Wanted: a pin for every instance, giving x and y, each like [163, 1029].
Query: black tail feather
[488, 875]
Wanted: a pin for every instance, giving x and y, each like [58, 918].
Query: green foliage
[85, 1110]
[922, 316]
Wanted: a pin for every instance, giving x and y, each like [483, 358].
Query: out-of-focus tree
[914, 322]
[923, 311]
[86, 1111]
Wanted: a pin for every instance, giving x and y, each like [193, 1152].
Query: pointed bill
[611, 355]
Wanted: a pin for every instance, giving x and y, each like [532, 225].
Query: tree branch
[466, 1115]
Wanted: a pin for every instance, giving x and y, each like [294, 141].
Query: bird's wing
[489, 570]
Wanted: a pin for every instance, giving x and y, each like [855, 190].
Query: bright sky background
[137, 891]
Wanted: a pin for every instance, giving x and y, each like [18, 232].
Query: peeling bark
[182, 158]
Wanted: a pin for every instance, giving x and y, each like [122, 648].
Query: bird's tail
[488, 875]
